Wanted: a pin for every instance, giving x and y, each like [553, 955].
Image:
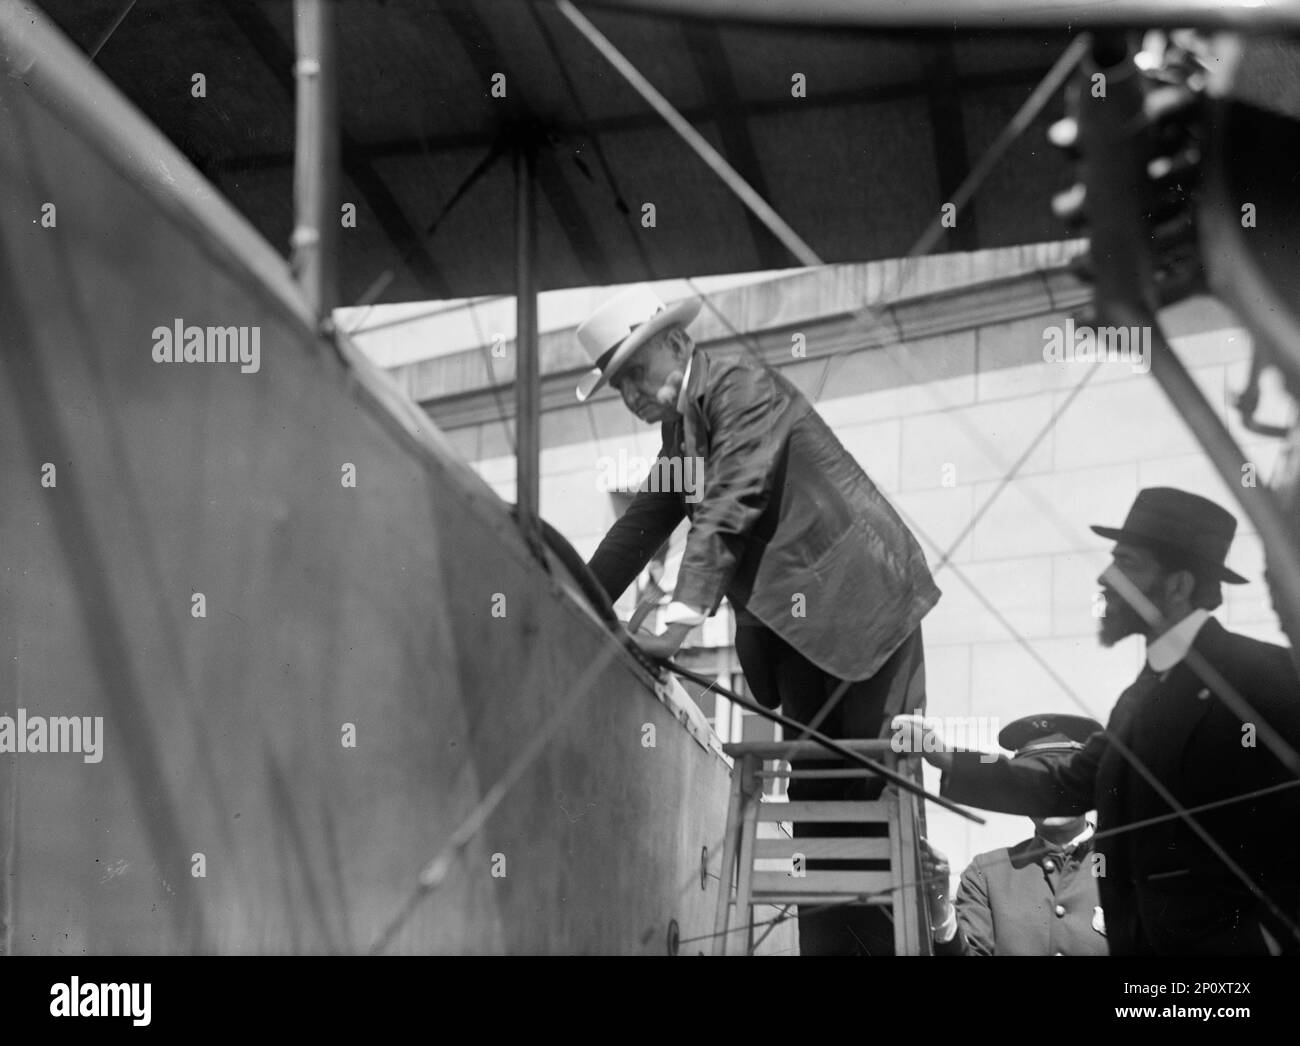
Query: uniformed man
[1038, 897]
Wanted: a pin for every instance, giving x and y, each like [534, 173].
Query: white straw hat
[622, 325]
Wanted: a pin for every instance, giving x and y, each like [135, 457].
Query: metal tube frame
[527, 363]
[314, 259]
[947, 15]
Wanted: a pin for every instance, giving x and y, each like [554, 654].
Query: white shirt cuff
[681, 614]
[947, 930]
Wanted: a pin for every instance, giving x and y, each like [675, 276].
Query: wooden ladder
[900, 887]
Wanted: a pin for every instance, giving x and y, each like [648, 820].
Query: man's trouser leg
[864, 709]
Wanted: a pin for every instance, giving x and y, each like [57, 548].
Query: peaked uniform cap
[1049, 732]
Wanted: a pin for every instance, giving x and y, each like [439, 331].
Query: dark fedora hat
[1050, 732]
[1180, 522]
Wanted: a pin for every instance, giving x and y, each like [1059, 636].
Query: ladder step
[831, 811]
[846, 847]
[813, 900]
[879, 749]
[769, 885]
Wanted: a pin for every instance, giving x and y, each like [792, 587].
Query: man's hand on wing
[664, 645]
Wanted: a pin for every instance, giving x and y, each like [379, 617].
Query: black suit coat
[1163, 890]
[789, 527]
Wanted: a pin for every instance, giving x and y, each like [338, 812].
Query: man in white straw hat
[827, 583]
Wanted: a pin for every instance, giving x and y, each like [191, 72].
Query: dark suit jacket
[786, 513]
[1024, 900]
[1164, 891]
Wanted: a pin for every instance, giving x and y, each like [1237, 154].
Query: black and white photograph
[650, 478]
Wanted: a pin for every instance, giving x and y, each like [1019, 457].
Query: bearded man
[1164, 888]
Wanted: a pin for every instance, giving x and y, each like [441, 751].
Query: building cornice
[771, 334]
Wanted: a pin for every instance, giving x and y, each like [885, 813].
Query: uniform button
[1060, 910]
[1049, 865]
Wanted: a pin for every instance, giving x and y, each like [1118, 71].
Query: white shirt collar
[1167, 650]
[686, 380]
[1073, 844]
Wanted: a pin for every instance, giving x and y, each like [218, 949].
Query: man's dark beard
[1121, 619]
